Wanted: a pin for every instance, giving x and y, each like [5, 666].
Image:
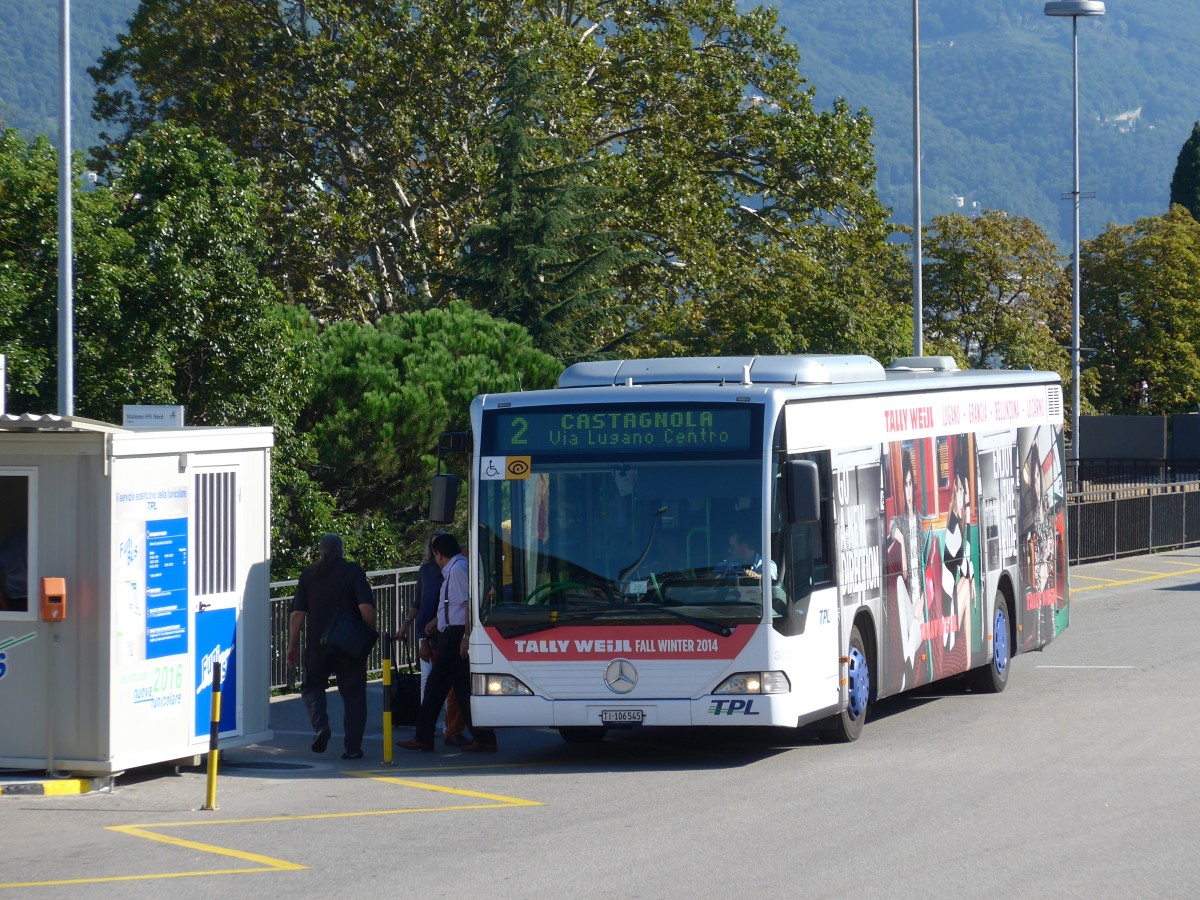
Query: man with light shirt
[451, 663]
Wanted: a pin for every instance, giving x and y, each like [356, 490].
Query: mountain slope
[996, 82]
[995, 95]
[29, 63]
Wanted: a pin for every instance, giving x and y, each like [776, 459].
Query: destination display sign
[637, 429]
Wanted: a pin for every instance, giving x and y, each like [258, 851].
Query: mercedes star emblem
[620, 676]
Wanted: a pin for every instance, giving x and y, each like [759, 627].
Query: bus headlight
[755, 683]
[489, 685]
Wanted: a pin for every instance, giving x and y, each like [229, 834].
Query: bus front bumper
[713, 709]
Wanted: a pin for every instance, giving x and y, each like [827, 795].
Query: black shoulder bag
[349, 635]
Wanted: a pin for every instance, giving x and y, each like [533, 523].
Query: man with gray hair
[331, 583]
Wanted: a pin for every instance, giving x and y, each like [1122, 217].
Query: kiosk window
[14, 542]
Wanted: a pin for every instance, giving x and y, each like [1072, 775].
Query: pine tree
[544, 256]
[1185, 183]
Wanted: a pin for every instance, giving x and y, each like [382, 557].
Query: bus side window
[790, 600]
[821, 540]
[803, 548]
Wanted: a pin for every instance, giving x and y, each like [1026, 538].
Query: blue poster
[166, 588]
[216, 641]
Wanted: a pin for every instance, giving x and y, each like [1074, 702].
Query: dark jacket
[429, 586]
[325, 586]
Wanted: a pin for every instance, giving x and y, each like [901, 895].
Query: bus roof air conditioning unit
[733, 370]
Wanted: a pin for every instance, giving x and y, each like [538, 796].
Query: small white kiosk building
[130, 560]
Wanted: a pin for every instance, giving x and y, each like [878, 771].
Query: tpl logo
[733, 707]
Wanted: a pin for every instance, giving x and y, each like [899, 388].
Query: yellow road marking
[1156, 576]
[267, 863]
[500, 801]
[1089, 577]
[263, 863]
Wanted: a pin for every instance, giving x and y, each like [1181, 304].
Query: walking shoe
[476, 747]
[352, 754]
[321, 741]
[414, 744]
[456, 740]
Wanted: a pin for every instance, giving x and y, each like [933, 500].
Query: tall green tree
[1141, 313]
[543, 257]
[374, 139]
[169, 304]
[28, 270]
[1185, 182]
[996, 293]
[191, 320]
[383, 394]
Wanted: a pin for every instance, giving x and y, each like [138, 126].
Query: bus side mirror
[804, 491]
[443, 498]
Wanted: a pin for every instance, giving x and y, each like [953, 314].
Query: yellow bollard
[214, 731]
[387, 712]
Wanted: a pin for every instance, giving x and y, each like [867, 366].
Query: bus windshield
[657, 539]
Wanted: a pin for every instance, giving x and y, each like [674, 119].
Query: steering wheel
[543, 592]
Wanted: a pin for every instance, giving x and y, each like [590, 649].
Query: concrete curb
[51, 787]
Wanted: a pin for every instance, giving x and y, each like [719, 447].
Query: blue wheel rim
[860, 683]
[1000, 641]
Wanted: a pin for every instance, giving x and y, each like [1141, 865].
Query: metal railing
[1128, 507]
[1131, 521]
[394, 591]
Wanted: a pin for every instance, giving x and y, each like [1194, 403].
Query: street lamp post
[918, 301]
[66, 305]
[1074, 9]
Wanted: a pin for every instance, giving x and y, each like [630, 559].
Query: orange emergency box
[54, 599]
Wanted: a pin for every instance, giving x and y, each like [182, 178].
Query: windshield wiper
[512, 631]
[705, 624]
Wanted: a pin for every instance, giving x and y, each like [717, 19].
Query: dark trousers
[450, 672]
[351, 675]
[455, 723]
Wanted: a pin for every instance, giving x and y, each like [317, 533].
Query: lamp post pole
[918, 301]
[66, 327]
[1074, 9]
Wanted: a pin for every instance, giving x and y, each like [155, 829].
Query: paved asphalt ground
[1081, 780]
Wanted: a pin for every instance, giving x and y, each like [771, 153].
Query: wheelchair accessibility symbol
[505, 468]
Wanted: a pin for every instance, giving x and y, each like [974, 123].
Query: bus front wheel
[847, 725]
[993, 677]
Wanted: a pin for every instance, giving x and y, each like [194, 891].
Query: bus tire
[582, 734]
[992, 678]
[847, 725]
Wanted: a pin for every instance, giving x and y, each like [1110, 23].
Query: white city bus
[764, 540]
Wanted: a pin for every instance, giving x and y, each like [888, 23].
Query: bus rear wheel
[847, 725]
[993, 677]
